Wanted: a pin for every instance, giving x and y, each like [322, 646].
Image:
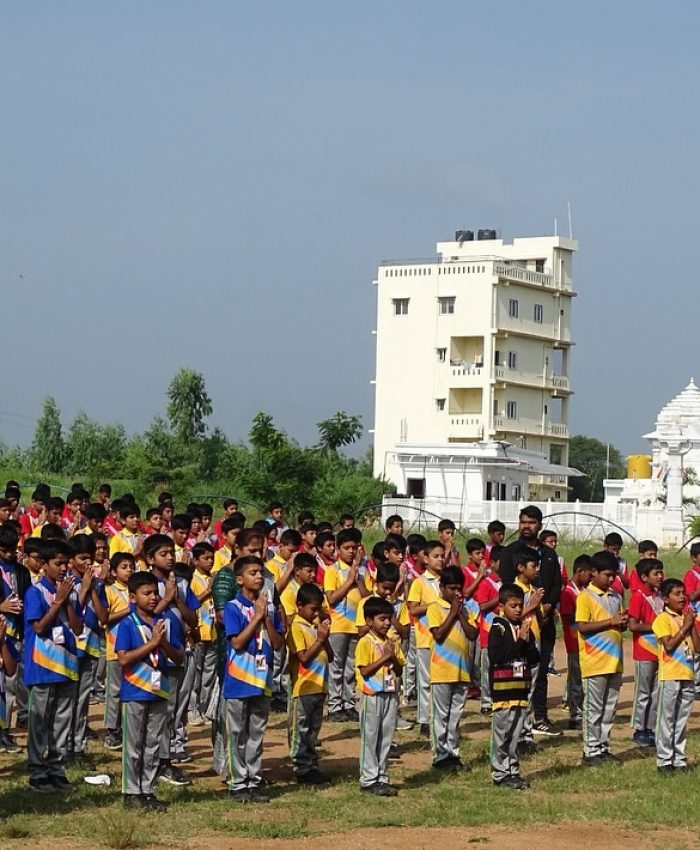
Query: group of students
[181, 622]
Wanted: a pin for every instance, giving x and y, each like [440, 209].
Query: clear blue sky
[212, 185]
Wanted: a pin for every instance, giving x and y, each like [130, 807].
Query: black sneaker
[527, 748]
[152, 804]
[337, 717]
[394, 754]
[641, 738]
[60, 783]
[424, 730]
[241, 796]
[610, 759]
[515, 783]
[380, 789]
[42, 786]
[313, 777]
[352, 715]
[485, 710]
[592, 761]
[544, 727]
[172, 775]
[278, 706]
[575, 724]
[134, 801]
[10, 745]
[255, 795]
[113, 741]
[181, 758]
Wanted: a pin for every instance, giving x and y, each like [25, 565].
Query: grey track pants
[486, 700]
[205, 661]
[341, 674]
[50, 718]
[446, 705]
[175, 677]
[304, 725]
[526, 735]
[675, 702]
[77, 737]
[143, 729]
[377, 727]
[506, 730]
[423, 685]
[113, 689]
[246, 721]
[600, 696]
[645, 695]
[409, 670]
[574, 686]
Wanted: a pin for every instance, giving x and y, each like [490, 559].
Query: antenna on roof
[555, 226]
[571, 232]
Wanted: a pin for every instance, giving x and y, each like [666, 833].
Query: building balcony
[466, 426]
[529, 426]
[467, 376]
[538, 280]
[557, 384]
[557, 429]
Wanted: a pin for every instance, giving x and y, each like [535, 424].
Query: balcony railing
[557, 429]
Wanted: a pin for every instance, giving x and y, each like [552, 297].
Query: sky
[213, 185]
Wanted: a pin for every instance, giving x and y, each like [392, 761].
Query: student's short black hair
[41, 496]
[392, 520]
[55, 503]
[604, 561]
[415, 543]
[290, 537]
[246, 561]
[9, 537]
[229, 503]
[52, 531]
[495, 525]
[141, 578]
[193, 512]
[99, 535]
[669, 584]
[433, 544]
[304, 517]
[127, 508]
[206, 509]
[379, 552]
[446, 525]
[323, 537]
[181, 522]
[345, 535]
[531, 512]
[396, 542]
[495, 554]
[523, 558]
[275, 506]
[375, 605]
[106, 489]
[245, 535]
[475, 544]
[12, 492]
[32, 545]
[263, 526]
[83, 544]
[151, 512]
[452, 575]
[51, 548]
[154, 542]
[646, 565]
[165, 497]
[200, 549]
[612, 539]
[325, 526]
[119, 558]
[96, 510]
[304, 560]
[308, 593]
[235, 521]
[695, 550]
[647, 546]
[582, 562]
[510, 591]
[387, 572]
[546, 533]
[308, 526]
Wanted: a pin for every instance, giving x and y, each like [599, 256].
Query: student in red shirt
[581, 576]
[496, 534]
[230, 507]
[645, 604]
[486, 596]
[326, 555]
[646, 549]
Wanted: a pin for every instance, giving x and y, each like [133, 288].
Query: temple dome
[684, 409]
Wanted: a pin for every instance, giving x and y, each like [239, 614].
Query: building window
[447, 306]
[400, 306]
[415, 488]
[513, 308]
[539, 313]
[539, 265]
[495, 407]
[441, 354]
[517, 493]
[496, 358]
[440, 403]
[512, 359]
[512, 409]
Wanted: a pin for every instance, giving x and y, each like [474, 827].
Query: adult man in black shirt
[529, 527]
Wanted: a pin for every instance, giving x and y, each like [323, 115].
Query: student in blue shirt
[143, 651]
[8, 667]
[253, 631]
[51, 622]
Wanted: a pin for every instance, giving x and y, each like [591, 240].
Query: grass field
[629, 804]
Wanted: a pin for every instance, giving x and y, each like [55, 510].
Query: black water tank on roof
[486, 234]
[464, 236]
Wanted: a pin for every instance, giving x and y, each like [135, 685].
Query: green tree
[188, 405]
[338, 431]
[47, 451]
[94, 449]
[590, 456]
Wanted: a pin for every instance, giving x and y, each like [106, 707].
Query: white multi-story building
[473, 346]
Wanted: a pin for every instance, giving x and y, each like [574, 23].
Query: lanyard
[656, 603]
[146, 634]
[9, 577]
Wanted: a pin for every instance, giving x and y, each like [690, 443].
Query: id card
[156, 678]
[57, 635]
[261, 663]
[389, 682]
[518, 669]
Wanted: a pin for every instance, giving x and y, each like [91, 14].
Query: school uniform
[343, 639]
[88, 645]
[15, 579]
[676, 692]
[309, 687]
[144, 701]
[204, 653]
[527, 736]
[4, 714]
[450, 676]
[247, 689]
[512, 662]
[115, 598]
[600, 656]
[222, 557]
[275, 567]
[644, 605]
[50, 674]
[424, 590]
[691, 581]
[487, 591]
[378, 709]
[574, 684]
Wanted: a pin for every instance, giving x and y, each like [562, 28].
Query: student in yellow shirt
[601, 620]
[229, 531]
[344, 588]
[304, 573]
[309, 656]
[679, 643]
[281, 565]
[424, 590]
[52, 516]
[378, 663]
[205, 651]
[129, 538]
[452, 626]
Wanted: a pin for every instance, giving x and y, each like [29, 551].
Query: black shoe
[443, 764]
[181, 758]
[239, 796]
[515, 783]
[610, 759]
[592, 761]
[641, 739]
[575, 725]
[665, 770]
[486, 711]
[42, 786]
[90, 734]
[113, 741]
[313, 777]
[424, 730]
[337, 717]
[10, 745]
[544, 727]
[527, 748]
[380, 789]
[257, 796]
[278, 706]
[394, 754]
[134, 801]
[352, 715]
[172, 775]
[152, 804]
[60, 783]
